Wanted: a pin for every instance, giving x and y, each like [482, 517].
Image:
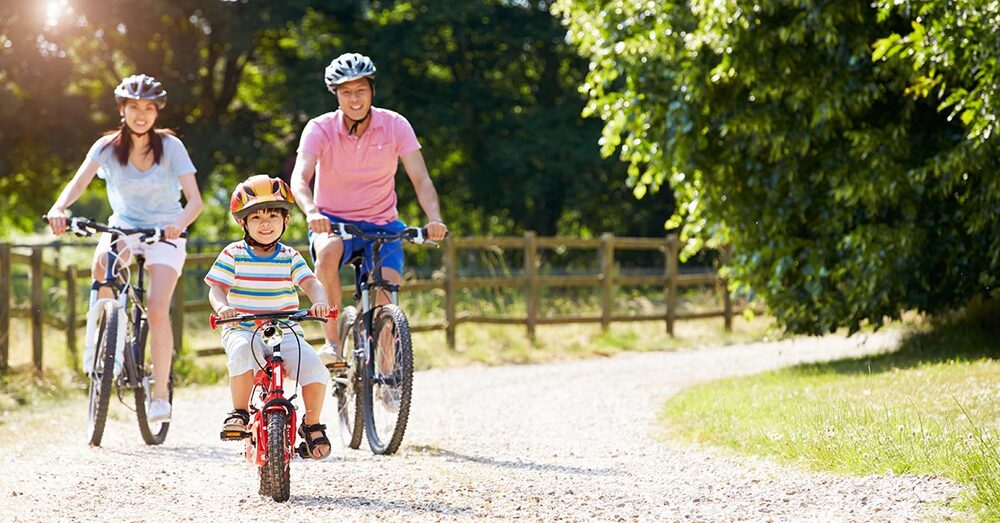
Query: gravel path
[573, 440]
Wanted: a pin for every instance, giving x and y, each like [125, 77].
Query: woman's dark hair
[122, 143]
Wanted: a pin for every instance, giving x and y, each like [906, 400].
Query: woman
[145, 169]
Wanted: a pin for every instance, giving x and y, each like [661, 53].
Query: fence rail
[530, 281]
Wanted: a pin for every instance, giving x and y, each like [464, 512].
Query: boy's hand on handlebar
[318, 223]
[436, 230]
[320, 309]
[57, 220]
[226, 312]
[172, 232]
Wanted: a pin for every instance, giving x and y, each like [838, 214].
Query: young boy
[256, 275]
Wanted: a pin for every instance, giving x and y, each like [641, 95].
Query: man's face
[355, 98]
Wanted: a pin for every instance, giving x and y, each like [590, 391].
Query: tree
[840, 193]
[59, 70]
[490, 87]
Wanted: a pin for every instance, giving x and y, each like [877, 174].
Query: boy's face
[266, 225]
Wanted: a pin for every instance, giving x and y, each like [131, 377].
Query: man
[354, 153]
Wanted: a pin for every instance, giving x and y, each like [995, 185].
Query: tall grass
[931, 407]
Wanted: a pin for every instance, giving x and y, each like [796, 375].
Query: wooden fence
[530, 280]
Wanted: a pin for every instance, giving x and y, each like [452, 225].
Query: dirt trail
[572, 440]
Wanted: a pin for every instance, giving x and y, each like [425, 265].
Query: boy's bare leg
[240, 387]
[313, 395]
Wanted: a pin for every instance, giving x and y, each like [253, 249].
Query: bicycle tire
[274, 473]
[101, 376]
[387, 407]
[152, 433]
[346, 386]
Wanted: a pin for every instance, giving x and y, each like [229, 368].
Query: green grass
[931, 407]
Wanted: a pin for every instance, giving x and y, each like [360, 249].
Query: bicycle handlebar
[88, 227]
[296, 315]
[347, 231]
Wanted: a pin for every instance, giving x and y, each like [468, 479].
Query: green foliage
[489, 87]
[846, 200]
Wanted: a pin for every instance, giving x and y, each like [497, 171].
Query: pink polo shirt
[355, 176]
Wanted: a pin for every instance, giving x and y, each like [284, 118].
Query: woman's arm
[189, 184]
[84, 175]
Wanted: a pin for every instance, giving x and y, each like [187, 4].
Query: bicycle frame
[270, 381]
[123, 289]
[363, 286]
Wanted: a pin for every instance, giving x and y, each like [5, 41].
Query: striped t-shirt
[258, 284]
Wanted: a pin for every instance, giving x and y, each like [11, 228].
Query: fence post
[531, 282]
[71, 314]
[177, 314]
[4, 306]
[607, 277]
[451, 275]
[671, 287]
[727, 304]
[36, 308]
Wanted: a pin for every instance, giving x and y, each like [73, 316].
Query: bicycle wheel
[274, 478]
[103, 372]
[345, 384]
[153, 433]
[388, 381]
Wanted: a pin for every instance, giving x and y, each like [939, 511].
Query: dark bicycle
[373, 391]
[128, 301]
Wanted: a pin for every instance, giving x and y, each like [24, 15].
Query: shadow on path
[381, 504]
[527, 465]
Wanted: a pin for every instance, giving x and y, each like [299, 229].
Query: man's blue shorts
[392, 252]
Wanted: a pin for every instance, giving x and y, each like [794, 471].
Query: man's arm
[302, 175]
[416, 169]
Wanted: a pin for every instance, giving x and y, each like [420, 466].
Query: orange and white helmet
[260, 192]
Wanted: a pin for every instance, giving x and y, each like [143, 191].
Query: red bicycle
[270, 436]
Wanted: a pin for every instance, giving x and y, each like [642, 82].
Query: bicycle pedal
[302, 451]
[233, 435]
[337, 365]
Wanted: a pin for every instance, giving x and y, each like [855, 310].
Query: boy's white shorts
[236, 343]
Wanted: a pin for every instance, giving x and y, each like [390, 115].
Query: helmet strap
[254, 243]
[354, 127]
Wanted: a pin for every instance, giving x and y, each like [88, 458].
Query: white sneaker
[329, 354]
[159, 411]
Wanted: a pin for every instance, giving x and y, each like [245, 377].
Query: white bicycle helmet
[348, 67]
[141, 87]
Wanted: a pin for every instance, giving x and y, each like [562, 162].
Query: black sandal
[309, 443]
[235, 425]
